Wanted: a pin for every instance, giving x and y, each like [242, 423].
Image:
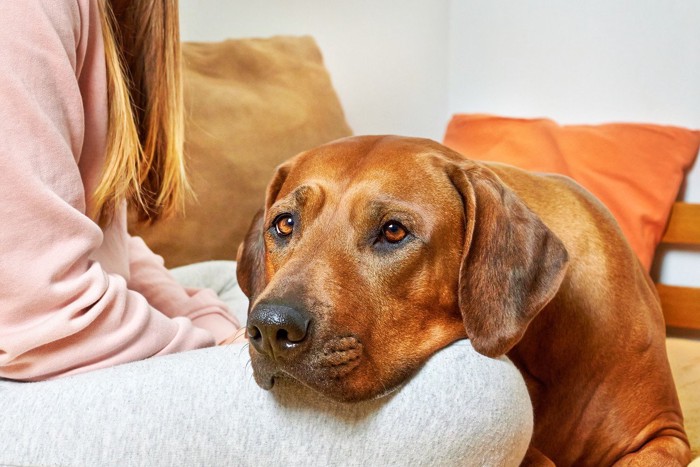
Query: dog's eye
[284, 225]
[394, 232]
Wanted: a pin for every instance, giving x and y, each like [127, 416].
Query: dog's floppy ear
[512, 264]
[250, 270]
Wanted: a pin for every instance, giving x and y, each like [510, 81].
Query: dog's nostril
[275, 329]
[253, 332]
[293, 334]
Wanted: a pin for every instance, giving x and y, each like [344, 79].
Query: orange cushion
[635, 169]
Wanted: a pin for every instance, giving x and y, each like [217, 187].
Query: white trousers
[202, 408]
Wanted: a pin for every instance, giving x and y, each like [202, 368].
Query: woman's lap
[203, 408]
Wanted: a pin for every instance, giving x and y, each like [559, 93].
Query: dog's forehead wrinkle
[308, 198]
[306, 192]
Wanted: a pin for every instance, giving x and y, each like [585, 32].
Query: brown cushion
[250, 105]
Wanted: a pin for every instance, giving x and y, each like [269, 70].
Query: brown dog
[375, 252]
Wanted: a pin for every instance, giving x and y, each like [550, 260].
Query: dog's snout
[276, 329]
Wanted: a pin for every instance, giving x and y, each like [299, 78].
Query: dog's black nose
[276, 329]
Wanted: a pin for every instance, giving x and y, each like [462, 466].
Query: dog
[372, 253]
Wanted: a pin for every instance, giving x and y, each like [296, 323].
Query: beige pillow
[250, 105]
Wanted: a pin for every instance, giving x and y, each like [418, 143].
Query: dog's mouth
[333, 368]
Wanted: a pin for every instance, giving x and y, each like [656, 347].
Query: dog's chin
[338, 368]
[346, 390]
[350, 390]
[353, 385]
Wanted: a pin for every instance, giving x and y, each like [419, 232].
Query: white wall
[387, 58]
[404, 66]
[577, 61]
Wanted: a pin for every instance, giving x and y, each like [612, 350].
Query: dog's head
[372, 253]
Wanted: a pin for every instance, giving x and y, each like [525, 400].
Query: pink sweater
[72, 296]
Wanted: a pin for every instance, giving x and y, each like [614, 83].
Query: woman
[91, 120]
[81, 138]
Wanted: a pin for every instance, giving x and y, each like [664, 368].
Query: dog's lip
[266, 381]
[328, 366]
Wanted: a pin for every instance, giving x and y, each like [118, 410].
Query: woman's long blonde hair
[144, 161]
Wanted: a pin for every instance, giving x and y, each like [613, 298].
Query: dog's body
[375, 252]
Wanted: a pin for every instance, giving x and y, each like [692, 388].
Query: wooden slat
[683, 225]
[681, 306]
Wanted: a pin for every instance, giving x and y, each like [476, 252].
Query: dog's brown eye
[394, 232]
[284, 225]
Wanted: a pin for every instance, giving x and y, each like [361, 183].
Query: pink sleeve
[60, 312]
[149, 276]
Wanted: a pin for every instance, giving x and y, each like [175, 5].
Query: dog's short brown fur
[528, 265]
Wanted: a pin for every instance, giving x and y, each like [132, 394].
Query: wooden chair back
[681, 305]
